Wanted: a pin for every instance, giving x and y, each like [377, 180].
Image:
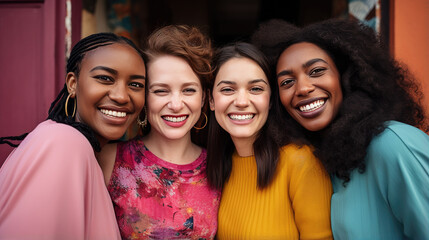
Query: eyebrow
[187, 84]
[107, 69]
[305, 65]
[114, 72]
[234, 83]
[313, 61]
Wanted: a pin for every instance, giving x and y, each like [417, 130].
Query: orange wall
[410, 39]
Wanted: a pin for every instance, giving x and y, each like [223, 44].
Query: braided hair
[57, 108]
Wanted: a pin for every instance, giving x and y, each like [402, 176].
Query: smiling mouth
[111, 113]
[312, 106]
[175, 119]
[241, 117]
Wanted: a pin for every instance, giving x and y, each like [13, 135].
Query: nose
[176, 102]
[304, 86]
[119, 94]
[242, 99]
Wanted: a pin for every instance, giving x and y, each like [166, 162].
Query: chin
[314, 127]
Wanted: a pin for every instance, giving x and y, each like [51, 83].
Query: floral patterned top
[155, 199]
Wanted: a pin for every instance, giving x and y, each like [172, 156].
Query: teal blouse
[390, 200]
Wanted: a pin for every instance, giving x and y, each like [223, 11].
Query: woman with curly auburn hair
[361, 111]
[158, 181]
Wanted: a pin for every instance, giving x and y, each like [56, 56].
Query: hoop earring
[143, 123]
[74, 107]
[205, 124]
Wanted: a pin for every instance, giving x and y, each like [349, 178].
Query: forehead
[301, 52]
[111, 51]
[240, 69]
[113, 55]
[168, 69]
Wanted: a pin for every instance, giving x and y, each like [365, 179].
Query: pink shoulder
[50, 132]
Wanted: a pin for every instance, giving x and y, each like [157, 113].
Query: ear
[71, 82]
[211, 101]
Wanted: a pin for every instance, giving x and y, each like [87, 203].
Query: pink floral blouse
[155, 199]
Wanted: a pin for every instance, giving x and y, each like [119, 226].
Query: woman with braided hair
[51, 186]
[341, 91]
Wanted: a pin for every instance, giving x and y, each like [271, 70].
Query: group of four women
[292, 112]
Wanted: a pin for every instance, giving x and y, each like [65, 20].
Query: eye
[160, 92]
[189, 91]
[137, 85]
[287, 83]
[315, 72]
[256, 89]
[227, 90]
[104, 78]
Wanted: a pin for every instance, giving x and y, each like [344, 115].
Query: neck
[244, 146]
[178, 151]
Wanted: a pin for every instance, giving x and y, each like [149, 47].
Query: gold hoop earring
[143, 123]
[74, 107]
[205, 124]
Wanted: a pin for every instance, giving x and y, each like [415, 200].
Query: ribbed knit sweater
[296, 205]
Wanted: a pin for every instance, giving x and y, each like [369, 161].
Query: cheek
[153, 104]
[197, 101]
[265, 104]
[284, 99]
[217, 102]
[138, 100]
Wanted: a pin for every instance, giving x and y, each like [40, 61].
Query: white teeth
[175, 119]
[241, 117]
[312, 106]
[113, 113]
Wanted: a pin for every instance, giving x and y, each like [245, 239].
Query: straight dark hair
[220, 146]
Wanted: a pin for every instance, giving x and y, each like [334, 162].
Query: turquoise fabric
[390, 200]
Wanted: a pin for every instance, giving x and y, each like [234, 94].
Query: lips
[311, 106]
[174, 119]
[112, 113]
[241, 117]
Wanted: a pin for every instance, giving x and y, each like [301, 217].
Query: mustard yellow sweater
[296, 205]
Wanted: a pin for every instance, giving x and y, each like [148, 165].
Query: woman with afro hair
[360, 109]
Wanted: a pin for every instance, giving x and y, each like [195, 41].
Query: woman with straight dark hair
[51, 186]
[268, 191]
[338, 85]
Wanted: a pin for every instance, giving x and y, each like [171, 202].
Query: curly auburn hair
[186, 42]
[195, 47]
[375, 87]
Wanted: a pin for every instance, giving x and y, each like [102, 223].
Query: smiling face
[309, 85]
[109, 90]
[174, 99]
[241, 98]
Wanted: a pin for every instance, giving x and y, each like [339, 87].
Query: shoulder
[296, 152]
[53, 132]
[298, 157]
[131, 145]
[54, 148]
[399, 142]
[50, 136]
[397, 134]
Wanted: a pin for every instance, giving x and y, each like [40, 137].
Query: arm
[310, 194]
[106, 158]
[403, 154]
